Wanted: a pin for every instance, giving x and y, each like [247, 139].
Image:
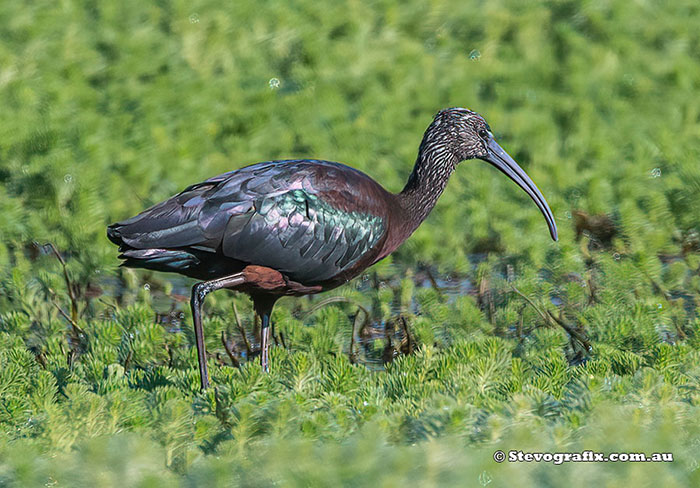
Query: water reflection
[373, 340]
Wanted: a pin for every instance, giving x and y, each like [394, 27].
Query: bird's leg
[263, 306]
[199, 293]
[265, 343]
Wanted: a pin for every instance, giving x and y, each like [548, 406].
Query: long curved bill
[501, 160]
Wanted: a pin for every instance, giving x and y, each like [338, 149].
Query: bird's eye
[483, 133]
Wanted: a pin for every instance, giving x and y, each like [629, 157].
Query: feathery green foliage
[478, 334]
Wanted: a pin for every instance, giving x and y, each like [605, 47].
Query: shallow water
[169, 297]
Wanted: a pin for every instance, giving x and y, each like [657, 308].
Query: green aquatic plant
[471, 338]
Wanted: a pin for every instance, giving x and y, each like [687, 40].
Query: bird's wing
[311, 220]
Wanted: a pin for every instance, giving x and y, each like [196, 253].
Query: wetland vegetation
[478, 334]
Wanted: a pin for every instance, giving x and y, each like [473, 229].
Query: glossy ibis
[297, 227]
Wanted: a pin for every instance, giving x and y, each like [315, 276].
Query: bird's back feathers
[311, 220]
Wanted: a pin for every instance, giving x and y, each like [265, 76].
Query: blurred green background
[453, 347]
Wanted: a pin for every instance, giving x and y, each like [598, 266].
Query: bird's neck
[432, 170]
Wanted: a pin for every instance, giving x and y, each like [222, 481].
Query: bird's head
[466, 135]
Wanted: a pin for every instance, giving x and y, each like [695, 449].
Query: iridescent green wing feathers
[301, 235]
[307, 219]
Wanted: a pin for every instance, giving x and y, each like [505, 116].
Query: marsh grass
[477, 334]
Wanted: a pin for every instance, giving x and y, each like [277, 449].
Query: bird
[301, 226]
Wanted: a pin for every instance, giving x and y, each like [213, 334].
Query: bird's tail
[114, 235]
[159, 259]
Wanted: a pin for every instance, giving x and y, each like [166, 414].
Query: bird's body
[318, 223]
[296, 227]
